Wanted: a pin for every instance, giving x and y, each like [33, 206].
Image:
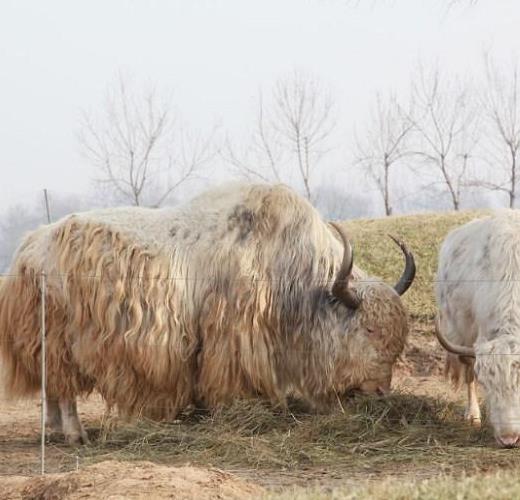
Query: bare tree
[446, 126]
[384, 144]
[262, 158]
[141, 149]
[291, 134]
[302, 115]
[501, 101]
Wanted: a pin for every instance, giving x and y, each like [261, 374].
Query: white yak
[478, 294]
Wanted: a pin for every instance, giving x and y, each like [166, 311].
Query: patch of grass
[497, 486]
[366, 434]
[423, 234]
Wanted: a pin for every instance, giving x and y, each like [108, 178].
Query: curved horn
[340, 289]
[409, 269]
[460, 350]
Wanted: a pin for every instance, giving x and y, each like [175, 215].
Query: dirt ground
[117, 480]
[420, 373]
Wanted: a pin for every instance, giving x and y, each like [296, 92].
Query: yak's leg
[54, 415]
[74, 432]
[472, 414]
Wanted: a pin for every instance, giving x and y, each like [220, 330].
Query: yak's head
[497, 367]
[377, 324]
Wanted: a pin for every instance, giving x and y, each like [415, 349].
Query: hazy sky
[57, 57]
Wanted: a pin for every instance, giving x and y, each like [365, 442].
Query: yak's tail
[20, 329]
[20, 332]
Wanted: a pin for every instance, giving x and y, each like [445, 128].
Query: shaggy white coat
[478, 293]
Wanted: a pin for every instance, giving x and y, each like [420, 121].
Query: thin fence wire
[250, 279]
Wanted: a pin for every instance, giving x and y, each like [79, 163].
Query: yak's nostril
[509, 441]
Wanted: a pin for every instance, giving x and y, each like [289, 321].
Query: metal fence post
[47, 207]
[43, 372]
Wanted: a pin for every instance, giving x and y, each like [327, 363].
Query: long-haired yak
[242, 292]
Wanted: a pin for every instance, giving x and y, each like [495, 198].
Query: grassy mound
[423, 234]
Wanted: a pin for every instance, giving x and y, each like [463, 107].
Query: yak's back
[487, 248]
[233, 213]
[479, 267]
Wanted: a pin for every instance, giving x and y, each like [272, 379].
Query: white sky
[57, 57]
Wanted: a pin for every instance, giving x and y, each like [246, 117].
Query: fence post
[47, 208]
[43, 372]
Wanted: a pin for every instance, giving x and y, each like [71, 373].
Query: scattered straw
[376, 434]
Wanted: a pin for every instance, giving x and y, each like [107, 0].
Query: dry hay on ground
[417, 425]
[379, 435]
[140, 480]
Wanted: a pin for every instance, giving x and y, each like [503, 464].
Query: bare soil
[117, 480]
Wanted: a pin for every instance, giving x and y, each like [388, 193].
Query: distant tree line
[449, 135]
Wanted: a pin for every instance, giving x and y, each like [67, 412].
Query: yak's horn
[340, 289]
[460, 350]
[409, 269]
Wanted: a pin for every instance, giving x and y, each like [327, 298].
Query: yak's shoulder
[139, 224]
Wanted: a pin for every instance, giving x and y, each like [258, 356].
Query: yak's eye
[374, 332]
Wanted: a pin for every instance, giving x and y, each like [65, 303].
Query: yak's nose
[383, 390]
[375, 387]
[509, 440]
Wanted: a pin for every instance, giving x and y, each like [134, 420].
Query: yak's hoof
[54, 436]
[77, 439]
[474, 421]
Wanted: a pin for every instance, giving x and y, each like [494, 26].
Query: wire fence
[136, 277]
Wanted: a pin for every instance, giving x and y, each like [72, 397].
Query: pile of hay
[366, 433]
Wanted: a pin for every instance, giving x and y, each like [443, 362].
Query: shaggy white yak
[478, 294]
[242, 292]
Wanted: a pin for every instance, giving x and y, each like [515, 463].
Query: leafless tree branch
[446, 125]
[384, 144]
[501, 101]
[303, 116]
[291, 131]
[139, 147]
